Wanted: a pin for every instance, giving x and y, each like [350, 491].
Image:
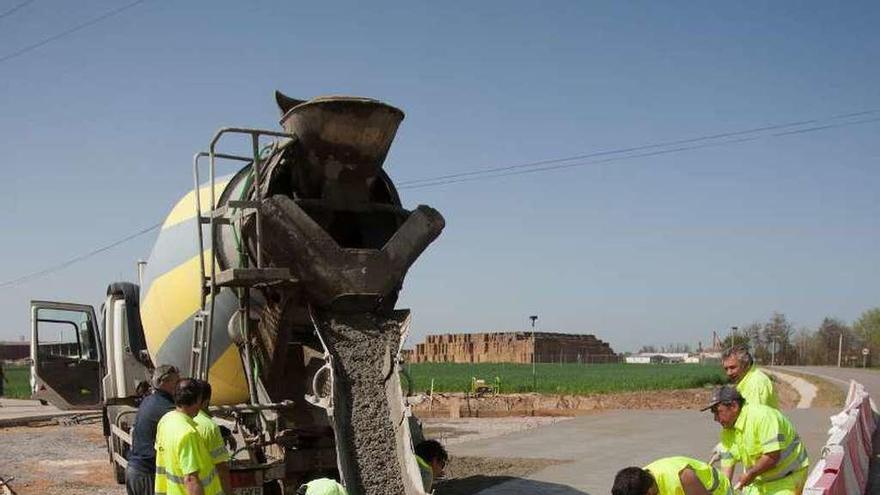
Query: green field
[19, 386]
[577, 379]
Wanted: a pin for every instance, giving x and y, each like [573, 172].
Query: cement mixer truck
[277, 284]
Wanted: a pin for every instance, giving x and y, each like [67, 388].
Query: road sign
[865, 351]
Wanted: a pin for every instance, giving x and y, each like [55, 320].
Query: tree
[734, 338]
[828, 339]
[867, 327]
[752, 331]
[647, 349]
[807, 352]
[777, 334]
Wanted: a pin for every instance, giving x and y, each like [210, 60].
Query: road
[595, 447]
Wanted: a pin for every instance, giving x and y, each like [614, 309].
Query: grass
[19, 385]
[827, 394]
[575, 379]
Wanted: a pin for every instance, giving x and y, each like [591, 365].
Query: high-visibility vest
[322, 486]
[760, 430]
[427, 474]
[756, 388]
[180, 451]
[210, 433]
[666, 473]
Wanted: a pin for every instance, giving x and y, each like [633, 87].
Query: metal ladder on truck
[241, 278]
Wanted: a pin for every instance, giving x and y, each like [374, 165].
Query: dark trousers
[139, 482]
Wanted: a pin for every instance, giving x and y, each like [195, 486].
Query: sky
[98, 128]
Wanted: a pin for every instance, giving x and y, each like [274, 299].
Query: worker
[764, 440]
[671, 476]
[210, 433]
[432, 459]
[753, 384]
[322, 486]
[183, 464]
[3, 379]
[141, 469]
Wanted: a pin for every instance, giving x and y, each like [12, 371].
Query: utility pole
[534, 351]
[839, 349]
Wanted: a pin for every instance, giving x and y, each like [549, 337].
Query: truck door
[66, 353]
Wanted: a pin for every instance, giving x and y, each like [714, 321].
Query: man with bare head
[140, 473]
[753, 384]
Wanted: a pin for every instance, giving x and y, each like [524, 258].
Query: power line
[15, 8]
[547, 165]
[60, 266]
[626, 153]
[70, 31]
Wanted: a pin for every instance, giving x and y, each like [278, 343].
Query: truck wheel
[273, 488]
[120, 473]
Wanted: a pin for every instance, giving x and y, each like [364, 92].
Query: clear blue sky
[98, 130]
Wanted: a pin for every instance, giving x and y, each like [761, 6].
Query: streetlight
[534, 351]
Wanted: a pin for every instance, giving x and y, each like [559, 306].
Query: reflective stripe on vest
[160, 471]
[796, 466]
[179, 449]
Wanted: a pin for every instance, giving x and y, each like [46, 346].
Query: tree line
[776, 341]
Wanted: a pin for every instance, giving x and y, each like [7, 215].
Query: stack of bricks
[512, 347]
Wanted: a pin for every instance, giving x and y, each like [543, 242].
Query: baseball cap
[722, 394]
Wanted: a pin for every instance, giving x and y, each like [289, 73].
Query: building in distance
[512, 347]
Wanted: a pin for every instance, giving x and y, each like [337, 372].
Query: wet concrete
[361, 345]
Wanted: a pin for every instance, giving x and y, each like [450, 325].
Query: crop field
[576, 379]
[18, 386]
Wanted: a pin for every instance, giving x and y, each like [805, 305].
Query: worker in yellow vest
[183, 464]
[321, 486]
[210, 433]
[432, 459]
[671, 476]
[753, 384]
[764, 440]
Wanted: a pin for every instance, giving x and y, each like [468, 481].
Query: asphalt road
[596, 446]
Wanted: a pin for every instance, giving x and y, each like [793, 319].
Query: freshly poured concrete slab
[599, 445]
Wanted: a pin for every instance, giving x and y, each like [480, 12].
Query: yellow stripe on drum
[172, 298]
[186, 207]
[228, 383]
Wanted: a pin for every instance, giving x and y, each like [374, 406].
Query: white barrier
[843, 468]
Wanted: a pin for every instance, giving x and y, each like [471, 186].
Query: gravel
[57, 459]
[360, 345]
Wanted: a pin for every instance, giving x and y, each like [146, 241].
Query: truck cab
[81, 362]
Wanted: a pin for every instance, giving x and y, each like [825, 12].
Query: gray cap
[161, 373]
[723, 394]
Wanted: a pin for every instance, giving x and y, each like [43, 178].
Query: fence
[843, 468]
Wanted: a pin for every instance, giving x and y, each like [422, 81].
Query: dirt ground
[59, 459]
[52, 458]
[460, 405]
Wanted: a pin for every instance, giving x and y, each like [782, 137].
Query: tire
[120, 473]
[273, 488]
